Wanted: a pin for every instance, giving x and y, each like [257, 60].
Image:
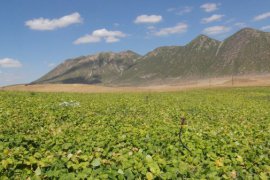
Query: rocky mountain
[99, 68]
[245, 52]
[174, 62]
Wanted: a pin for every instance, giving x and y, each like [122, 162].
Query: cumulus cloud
[148, 19]
[209, 7]
[262, 16]
[43, 24]
[10, 63]
[213, 18]
[89, 38]
[179, 28]
[215, 30]
[99, 35]
[265, 28]
[240, 24]
[181, 10]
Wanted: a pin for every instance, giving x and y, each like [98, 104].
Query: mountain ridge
[246, 51]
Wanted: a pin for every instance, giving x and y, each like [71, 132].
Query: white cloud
[111, 39]
[214, 30]
[265, 28]
[230, 21]
[100, 34]
[151, 28]
[148, 19]
[42, 24]
[209, 7]
[181, 11]
[179, 28]
[213, 18]
[10, 63]
[51, 64]
[240, 24]
[262, 16]
[87, 39]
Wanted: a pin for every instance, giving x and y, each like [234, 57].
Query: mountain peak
[129, 53]
[203, 37]
[203, 41]
[109, 55]
[248, 32]
[248, 29]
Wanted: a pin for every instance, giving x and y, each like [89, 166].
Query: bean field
[136, 135]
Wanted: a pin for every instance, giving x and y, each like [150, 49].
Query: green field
[135, 135]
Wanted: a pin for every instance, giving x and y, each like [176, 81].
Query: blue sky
[36, 35]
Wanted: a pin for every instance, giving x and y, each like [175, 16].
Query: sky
[37, 35]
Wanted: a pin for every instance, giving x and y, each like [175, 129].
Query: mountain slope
[245, 52]
[100, 68]
[181, 62]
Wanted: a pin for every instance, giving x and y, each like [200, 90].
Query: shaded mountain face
[245, 52]
[100, 68]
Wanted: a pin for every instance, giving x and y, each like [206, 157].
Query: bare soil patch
[239, 81]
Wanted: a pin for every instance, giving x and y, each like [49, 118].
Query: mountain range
[245, 52]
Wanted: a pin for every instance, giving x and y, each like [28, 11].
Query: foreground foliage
[135, 135]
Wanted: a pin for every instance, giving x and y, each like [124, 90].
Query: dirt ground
[240, 81]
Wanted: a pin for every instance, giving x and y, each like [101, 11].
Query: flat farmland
[135, 135]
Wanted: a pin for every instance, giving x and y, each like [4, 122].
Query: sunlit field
[136, 135]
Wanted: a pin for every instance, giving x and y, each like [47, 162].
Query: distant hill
[245, 52]
[99, 68]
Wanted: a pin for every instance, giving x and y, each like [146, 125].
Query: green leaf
[154, 168]
[5, 164]
[66, 146]
[96, 162]
[148, 158]
[149, 176]
[120, 171]
[38, 171]
[129, 174]
[263, 176]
